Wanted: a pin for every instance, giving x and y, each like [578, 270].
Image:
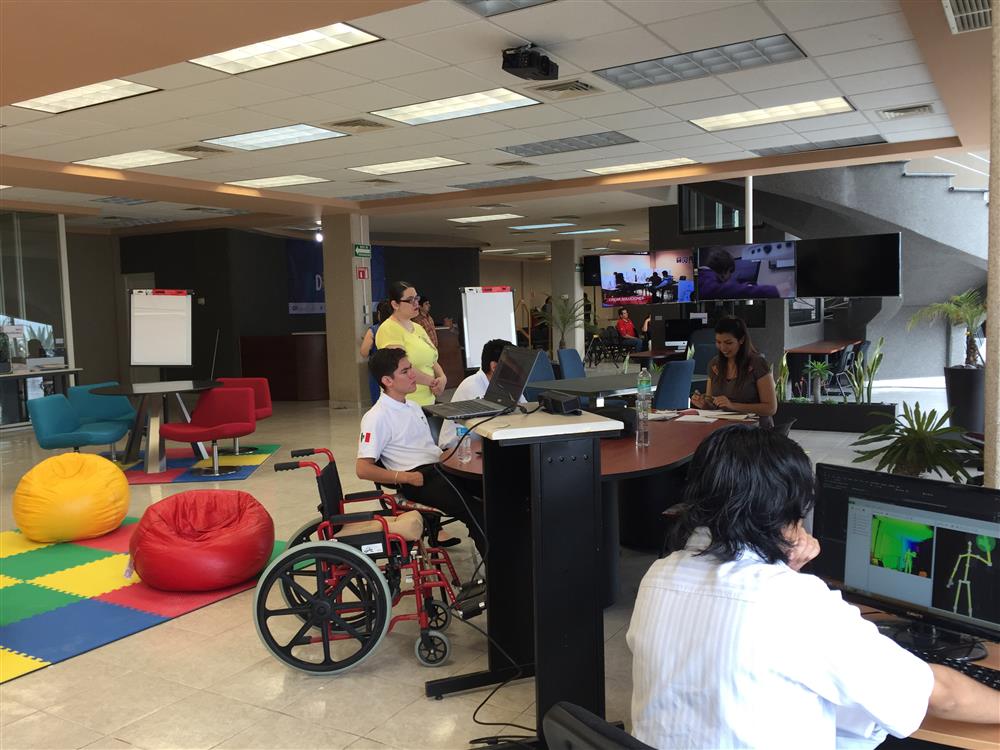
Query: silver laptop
[506, 387]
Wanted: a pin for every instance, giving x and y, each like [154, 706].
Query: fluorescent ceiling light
[4, 187]
[707, 62]
[453, 107]
[286, 48]
[274, 137]
[133, 159]
[642, 165]
[86, 96]
[590, 231]
[490, 217]
[271, 182]
[575, 143]
[535, 252]
[544, 226]
[411, 165]
[500, 250]
[784, 113]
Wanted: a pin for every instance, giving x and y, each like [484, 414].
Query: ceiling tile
[378, 60]
[466, 43]
[704, 30]
[615, 48]
[550, 24]
[808, 15]
[177, 76]
[308, 109]
[884, 79]
[659, 132]
[919, 135]
[436, 84]
[17, 115]
[367, 98]
[605, 104]
[683, 91]
[74, 124]
[559, 130]
[738, 135]
[161, 106]
[729, 156]
[836, 134]
[829, 121]
[489, 69]
[792, 139]
[869, 32]
[608, 152]
[803, 92]
[530, 117]
[771, 76]
[20, 138]
[650, 11]
[235, 121]
[918, 122]
[882, 57]
[711, 107]
[677, 145]
[639, 119]
[699, 152]
[463, 127]
[896, 97]
[416, 19]
[303, 77]
[234, 91]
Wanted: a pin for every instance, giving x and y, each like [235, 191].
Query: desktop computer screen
[760, 271]
[625, 280]
[922, 549]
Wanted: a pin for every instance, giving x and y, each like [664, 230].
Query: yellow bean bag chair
[70, 496]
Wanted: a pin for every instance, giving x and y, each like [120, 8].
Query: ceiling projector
[529, 63]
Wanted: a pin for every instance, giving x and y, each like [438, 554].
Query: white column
[66, 302]
[567, 283]
[748, 210]
[992, 478]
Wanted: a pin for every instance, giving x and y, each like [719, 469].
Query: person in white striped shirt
[733, 647]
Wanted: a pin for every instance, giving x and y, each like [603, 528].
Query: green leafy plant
[918, 442]
[818, 372]
[966, 309]
[781, 384]
[563, 315]
[862, 373]
[690, 352]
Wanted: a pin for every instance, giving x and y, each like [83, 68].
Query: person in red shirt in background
[626, 329]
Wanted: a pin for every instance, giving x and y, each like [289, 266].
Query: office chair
[839, 370]
[570, 364]
[674, 387]
[57, 425]
[703, 354]
[784, 428]
[541, 370]
[569, 727]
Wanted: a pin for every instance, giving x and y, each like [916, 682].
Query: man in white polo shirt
[395, 432]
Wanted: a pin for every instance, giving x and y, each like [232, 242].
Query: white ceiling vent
[968, 15]
[514, 164]
[566, 89]
[199, 150]
[378, 181]
[913, 110]
[357, 125]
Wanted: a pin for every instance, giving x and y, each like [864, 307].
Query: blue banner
[305, 277]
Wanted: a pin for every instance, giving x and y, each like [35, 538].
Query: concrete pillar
[347, 290]
[567, 284]
[992, 478]
[748, 210]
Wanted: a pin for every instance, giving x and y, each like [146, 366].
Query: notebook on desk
[505, 389]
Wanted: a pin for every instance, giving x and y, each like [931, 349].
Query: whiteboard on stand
[160, 325]
[487, 314]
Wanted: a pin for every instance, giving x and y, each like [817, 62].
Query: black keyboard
[989, 677]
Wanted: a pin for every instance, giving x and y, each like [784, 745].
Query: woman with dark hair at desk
[739, 378]
[715, 278]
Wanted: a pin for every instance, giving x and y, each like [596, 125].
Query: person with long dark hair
[739, 378]
[382, 312]
[400, 331]
[717, 280]
[734, 647]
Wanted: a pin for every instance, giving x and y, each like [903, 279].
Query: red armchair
[262, 407]
[221, 413]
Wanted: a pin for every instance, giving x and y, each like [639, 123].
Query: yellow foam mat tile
[14, 542]
[90, 579]
[6, 581]
[13, 664]
[249, 460]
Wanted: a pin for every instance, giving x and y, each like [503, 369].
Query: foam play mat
[61, 600]
[180, 462]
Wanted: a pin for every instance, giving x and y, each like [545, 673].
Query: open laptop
[506, 387]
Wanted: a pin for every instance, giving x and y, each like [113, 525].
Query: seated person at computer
[626, 329]
[474, 387]
[685, 287]
[739, 378]
[395, 432]
[733, 647]
[715, 278]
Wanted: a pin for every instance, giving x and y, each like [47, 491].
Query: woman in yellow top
[400, 332]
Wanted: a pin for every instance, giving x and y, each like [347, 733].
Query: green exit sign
[362, 251]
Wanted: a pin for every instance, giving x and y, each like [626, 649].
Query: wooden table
[601, 386]
[654, 355]
[823, 348]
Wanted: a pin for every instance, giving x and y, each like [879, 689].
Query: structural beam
[992, 427]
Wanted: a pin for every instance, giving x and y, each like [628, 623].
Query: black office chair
[839, 370]
[569, 727]
[784, 428]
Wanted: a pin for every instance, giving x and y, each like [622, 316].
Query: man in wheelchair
[395, 433]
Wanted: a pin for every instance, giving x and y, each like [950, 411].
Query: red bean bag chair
[202, 540]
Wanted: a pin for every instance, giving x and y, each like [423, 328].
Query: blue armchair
[57, 425]
[674, 387]
[542, 370]
[90, 408]
[571, 364]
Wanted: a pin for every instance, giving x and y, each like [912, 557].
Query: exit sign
[362, 251]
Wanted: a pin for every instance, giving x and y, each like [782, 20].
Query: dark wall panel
[664, 232]
[437, 273]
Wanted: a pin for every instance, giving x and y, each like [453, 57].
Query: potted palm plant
[965, 384]
[5, 365]
[563, 315]
[818, 372]
[919, 442]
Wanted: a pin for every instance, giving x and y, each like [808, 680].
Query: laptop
[506, 387]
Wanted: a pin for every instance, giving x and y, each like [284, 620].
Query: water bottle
[464, 444]
[643, 403]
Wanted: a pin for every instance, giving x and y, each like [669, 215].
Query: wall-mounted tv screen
[625, 280]
[865, 266]
[764, 270]
[672, 275]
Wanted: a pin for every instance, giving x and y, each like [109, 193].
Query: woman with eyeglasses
[401, 332]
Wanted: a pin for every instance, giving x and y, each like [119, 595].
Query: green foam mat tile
[40, 562]
[24, 600]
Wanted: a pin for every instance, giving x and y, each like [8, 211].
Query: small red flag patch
[366, 437]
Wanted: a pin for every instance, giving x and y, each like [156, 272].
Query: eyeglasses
[415, 300]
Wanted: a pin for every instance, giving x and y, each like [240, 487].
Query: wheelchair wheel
[338, 591]
[438, 615]
[432, 648]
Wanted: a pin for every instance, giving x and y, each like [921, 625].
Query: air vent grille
[357, 125]
[566, 89]
[379, 181]
[498, 183]
[199, 150]
[914, 110]
[514, 164]
[217, 211]
[379, 196]
[120, 201]
[968, 15]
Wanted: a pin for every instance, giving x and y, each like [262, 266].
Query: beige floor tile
[429, 723]
[219, 617]
[283, 732]
[60, 682]
[148, 651]
[268, 684]
[42, 731]
[364, 743]
[12, 710]
[202, 720]
[108, 743]
[204, 661]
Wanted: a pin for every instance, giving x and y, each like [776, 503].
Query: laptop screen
[511, 375]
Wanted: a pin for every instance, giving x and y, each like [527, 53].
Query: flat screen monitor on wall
[591, 270]
[865, 266]
[625, 280]
[764, 270]
[672, 275]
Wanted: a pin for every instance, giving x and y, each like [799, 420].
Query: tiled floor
[204, 680]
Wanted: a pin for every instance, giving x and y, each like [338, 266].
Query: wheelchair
[325, 603]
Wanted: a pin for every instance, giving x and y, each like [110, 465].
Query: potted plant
[780, 383]
[917, 443]
[563, 315]
[965, 384]
[862, 373]
[5, 365]
[819, 372]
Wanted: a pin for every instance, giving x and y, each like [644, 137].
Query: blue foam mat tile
[74, 629]
[243, 473]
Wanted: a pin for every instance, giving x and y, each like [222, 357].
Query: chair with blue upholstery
[541, 370]
[90, 408]
[571, 364]
[674, 387]
[703, 354]
[57, 425]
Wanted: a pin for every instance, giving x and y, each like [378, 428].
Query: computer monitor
[764, 270]
[511, 375]
[923, 549]
[865, 266]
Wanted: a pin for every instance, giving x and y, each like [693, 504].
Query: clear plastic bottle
[643, 403]
[464, 444]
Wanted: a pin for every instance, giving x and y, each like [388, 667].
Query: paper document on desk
[694, 418]
[657, 416]
[716, 414]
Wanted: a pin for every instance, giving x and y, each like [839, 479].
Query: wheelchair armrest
[366, 495]
[346, 518]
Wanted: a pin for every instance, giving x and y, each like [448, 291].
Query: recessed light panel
[454, 107]
[638, 167]
[492, 217]
[590, 231]
[133, 159]
[4, 187]
[378, 196]
[273, 182]
[500, 250]
[544, 226]
[86, 96]
[786, 112]
[411, 165]
[274, 137]
[707, 62]
[286, 48]
[576, 143]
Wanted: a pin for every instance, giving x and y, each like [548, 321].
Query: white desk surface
[542, 424]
